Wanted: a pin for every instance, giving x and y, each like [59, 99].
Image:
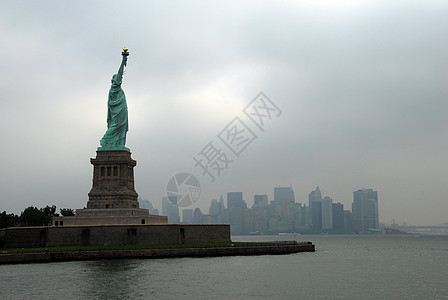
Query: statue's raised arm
[117, 111]
[117, 78]
[124, 62]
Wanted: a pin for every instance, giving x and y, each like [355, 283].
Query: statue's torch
[125, 52]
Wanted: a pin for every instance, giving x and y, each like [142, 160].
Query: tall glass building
[365, 210]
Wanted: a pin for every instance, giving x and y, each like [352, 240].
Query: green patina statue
[117, 112]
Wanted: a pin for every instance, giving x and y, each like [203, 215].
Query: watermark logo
[183, 189]
[212, 161]
[237, 136]
[261, 110]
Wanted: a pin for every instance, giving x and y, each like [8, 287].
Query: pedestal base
[112, 199]
[112, 216]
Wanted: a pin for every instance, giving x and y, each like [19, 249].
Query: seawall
[105, 235]
[174, 252]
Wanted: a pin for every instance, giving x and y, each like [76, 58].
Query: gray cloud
[362, 87]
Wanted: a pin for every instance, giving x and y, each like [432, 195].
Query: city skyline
[358, 90]
[254, 200]
[283, 214]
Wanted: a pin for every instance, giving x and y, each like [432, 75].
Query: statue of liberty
[117, 111]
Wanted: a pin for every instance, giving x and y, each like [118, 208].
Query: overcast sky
[361, 85]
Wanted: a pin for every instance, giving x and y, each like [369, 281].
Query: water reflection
[112, 279]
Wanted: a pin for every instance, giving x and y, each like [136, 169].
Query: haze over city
[361, 86]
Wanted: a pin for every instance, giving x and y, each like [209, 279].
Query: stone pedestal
[113, 181]
[112, 199]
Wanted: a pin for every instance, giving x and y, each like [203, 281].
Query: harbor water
[343, 267]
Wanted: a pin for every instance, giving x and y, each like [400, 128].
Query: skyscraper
[235, 199]
[314, 196]
[283, 195]
[315, 204]
[187, 216]
[215, 208]
[170, 209]
[338, 216]
[348, 221]
[327, 213]
[145, 204]
[316, 215]
[365, 210]
[260, 201]
[197, 216]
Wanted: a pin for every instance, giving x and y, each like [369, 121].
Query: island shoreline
[147, 253]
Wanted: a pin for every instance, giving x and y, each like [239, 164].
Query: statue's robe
[117, 115]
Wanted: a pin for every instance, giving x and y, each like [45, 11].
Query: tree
[66, 212]
[48, 213]
[32, 216]
[8, 220]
